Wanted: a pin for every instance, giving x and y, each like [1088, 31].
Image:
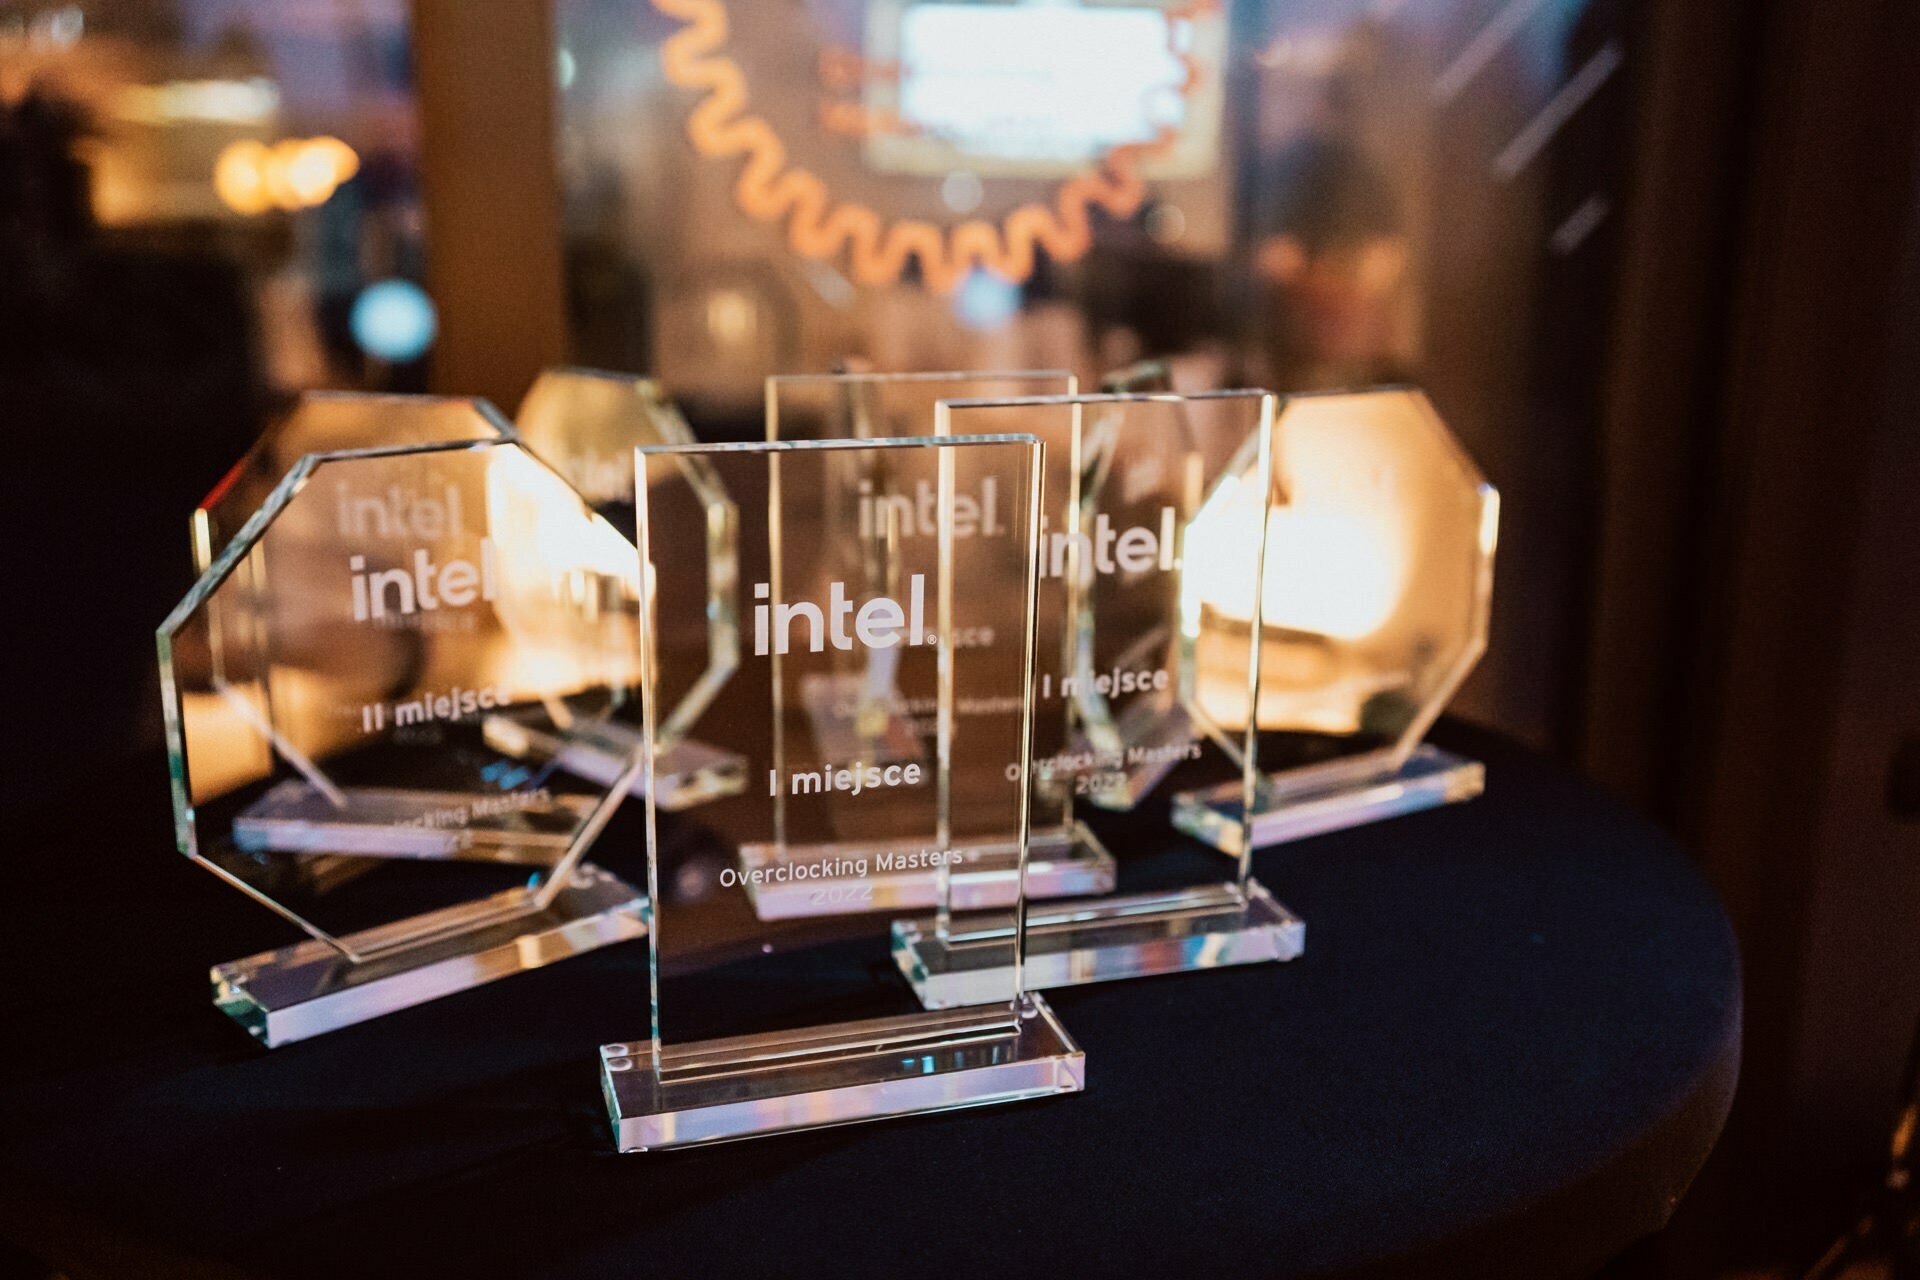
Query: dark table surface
[1509, 1047]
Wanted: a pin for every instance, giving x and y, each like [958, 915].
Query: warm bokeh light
[181, 102]
[315, 168]
[731, 318]
[298, 173]
[569, 582]
[1327, 572]
[239, 177]
[1375, 582]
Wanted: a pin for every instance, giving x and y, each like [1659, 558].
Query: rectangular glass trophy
[586, 425]
[763, 1025]
[1151, 540]
[880, 706]
[1378, 582]
[325, 686]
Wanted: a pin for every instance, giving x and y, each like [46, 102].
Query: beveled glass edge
[398, 397]
[651, 388]
[1125, 379]
[1045, 1061]
[1109, 397]
[942, 375]
[599, 374]
[185, 823]
[1036, 462]
[673, 424]
[840, 442]
[1421, 402]
[1482, 610]
[484, 409]
[508, 434]
[1250, 779]
[290, 485]
[776, 381]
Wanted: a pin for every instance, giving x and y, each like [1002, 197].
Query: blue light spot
[394, 320]
[985, 301]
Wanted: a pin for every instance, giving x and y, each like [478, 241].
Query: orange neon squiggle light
[820, 227]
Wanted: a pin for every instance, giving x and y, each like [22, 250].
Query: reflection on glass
[329, 422]
[1136, 487]
[1374, 603]
[587, 424]
[1039, 90]
[1422, 191]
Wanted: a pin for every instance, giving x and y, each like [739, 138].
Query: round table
[1508, 1049]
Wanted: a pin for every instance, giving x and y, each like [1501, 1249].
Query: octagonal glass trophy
[869, 707]
[1127, 622]
[763, 1025]
[329, 422]
[586, 424]
[325, 686]
[1373, 608]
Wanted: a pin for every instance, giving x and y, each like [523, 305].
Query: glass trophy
[1130, 616]
[1373, 608]
[763, 1025]
[872, 705]
[328, 422]
[586, 425]
[325, 685]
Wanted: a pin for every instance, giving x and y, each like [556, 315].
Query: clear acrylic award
[1373, 608]
[586, 425]
[334, 422]
[325, 684]
[758, 1024]
[863, 706]
[1150, 521]
[329, 422]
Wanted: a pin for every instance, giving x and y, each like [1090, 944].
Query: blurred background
[1655, 263]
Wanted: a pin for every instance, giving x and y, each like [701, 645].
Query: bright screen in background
[1026, 88]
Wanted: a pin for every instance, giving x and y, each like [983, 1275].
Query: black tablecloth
[1507, 1050]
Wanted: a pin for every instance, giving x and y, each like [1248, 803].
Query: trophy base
[752, 1086]
[1314, 805]
[688, 772]
[311, 988]
[1071, 944]
[518, 828]
[844, 879]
